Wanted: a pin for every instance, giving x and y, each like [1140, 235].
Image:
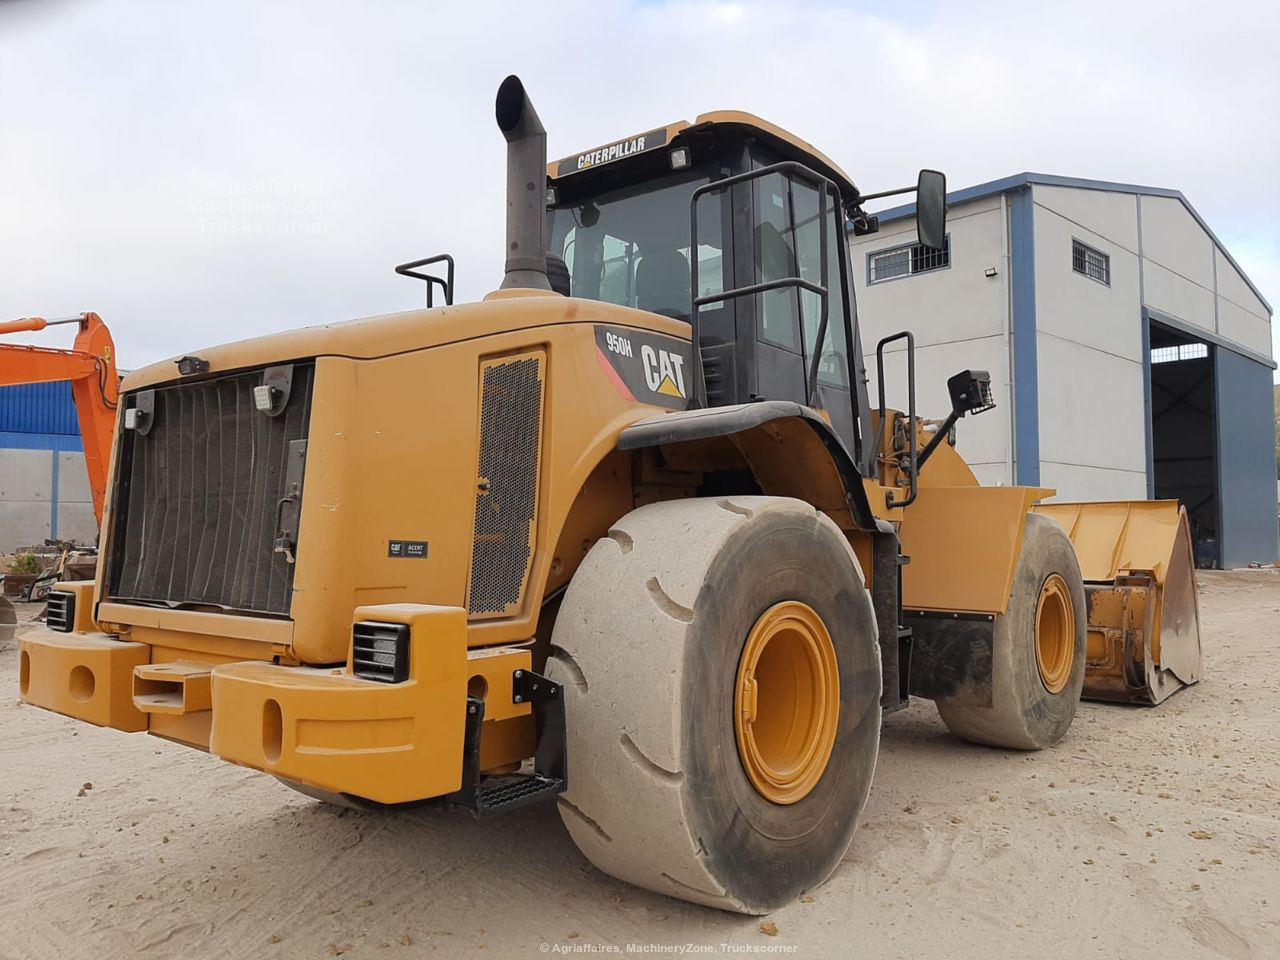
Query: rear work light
[380, 651]
[62, 611]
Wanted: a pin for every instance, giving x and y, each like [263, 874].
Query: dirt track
[1086, 850]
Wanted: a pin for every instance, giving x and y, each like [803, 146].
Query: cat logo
[644, 366]
[663, 371]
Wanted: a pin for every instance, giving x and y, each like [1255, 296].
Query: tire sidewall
[766, 853]
[1046, 551]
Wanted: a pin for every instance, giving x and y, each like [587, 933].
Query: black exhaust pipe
[526, 187]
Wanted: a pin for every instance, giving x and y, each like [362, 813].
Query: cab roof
[729, 122]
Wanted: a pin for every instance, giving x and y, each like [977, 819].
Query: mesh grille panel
[196, 497]
[510, 435]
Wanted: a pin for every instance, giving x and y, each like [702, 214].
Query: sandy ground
[1146, 833]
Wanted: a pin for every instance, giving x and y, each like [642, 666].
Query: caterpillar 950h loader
[627, 534]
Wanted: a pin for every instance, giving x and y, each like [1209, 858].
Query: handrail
[407, 270]
[913, 464]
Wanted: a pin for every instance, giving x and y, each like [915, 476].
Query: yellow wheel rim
[1055, 634]
[787, 702]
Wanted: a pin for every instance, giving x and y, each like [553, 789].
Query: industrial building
[44, 487]
[1129, 354]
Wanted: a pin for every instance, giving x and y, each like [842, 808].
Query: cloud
[198, 173]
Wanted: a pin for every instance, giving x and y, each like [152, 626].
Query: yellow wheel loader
[628, 535]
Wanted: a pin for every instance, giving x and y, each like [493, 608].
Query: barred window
[907, 260]
[1094, 264]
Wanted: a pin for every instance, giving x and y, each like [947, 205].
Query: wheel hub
[787, 702]
[1055, 634]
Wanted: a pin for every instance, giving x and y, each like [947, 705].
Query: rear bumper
[88, 676]
[387, 742]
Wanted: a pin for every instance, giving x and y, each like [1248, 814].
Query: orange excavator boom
[90, 365]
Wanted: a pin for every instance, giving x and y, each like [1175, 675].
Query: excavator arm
[90, 365]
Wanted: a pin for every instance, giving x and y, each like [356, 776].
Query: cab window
[631, 246]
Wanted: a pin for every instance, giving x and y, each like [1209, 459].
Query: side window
[788, 244]
[833, 365]
[776, 260]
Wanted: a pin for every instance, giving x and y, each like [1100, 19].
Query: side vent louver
[62, 611]
[380, 651]
[507, 482]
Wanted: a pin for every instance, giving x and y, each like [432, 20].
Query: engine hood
[393, 333]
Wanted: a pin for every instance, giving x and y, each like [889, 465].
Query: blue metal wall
[1246, 460]
[39, 416]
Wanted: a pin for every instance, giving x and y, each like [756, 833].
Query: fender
[813, 463]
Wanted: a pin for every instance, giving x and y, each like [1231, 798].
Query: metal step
[484, 795]
[504, 793]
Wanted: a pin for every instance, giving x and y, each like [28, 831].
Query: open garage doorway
[1184, 444]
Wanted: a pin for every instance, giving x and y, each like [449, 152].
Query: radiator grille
[510, 438]
[197, 495]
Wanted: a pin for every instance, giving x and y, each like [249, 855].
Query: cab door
[786, 230]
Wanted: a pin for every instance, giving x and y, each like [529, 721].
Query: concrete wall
[76, 520]
[25, 491]
[1089, 334]
[27, 498]
[960, 320]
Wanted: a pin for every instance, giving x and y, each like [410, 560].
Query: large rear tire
[1038, 656]
[722, 694]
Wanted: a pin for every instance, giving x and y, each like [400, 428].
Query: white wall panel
[1080, 308]
[1172, 238]
[1242, 327]
[1232, 286]
[1110, 215]
[1092, 483]
[1091, 407]
[1242, 316]
[956, 303]
[1177, 296]
[980, 439]
[992, 474]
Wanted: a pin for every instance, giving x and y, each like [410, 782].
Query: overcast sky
[199, 173]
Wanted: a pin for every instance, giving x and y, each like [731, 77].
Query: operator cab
[769, 290]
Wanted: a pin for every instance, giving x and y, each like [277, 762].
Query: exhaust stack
[526, 187]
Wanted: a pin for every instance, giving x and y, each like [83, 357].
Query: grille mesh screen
[510, 434]
[196, 497]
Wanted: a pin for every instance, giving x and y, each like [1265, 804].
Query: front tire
[722, 693]
[1038, 653]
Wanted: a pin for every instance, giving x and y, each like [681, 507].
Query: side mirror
[931, 209]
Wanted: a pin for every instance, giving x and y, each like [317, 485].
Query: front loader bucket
[1139, 581]
[8, 620]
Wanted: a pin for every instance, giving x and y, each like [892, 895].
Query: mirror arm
[863, 197]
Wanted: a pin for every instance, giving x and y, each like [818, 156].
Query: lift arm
[90, 365]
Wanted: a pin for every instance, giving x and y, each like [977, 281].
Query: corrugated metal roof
[39, 408]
